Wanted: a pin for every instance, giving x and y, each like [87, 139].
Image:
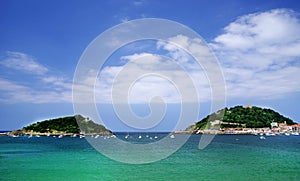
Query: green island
[64, 125]
[235, 120]
[247, 117]
[244, 120]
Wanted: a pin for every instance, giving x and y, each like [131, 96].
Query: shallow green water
[228, 157]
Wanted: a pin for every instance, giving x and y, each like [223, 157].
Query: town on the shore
[275, 129]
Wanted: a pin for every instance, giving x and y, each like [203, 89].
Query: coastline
[16, 133]
[257, 131]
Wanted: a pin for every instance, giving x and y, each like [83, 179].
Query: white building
[274, 125]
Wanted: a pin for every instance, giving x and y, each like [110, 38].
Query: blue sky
[257, 44]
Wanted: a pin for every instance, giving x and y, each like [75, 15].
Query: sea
[227, 157]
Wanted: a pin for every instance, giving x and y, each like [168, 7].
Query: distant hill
[246, 117]
[71, 124]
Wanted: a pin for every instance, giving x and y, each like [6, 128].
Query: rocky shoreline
[17, 133]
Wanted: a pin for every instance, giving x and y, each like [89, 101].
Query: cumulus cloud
[142, 78]
[259, 54]
[169, 76]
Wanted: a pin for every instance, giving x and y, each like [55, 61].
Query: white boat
[126, 137]
[262, 137]
[155, 137]
[295, 133]
[140, 137]
[37, 136]
[113, 136]
[172, 136]
[287, 134]
[60, 136]
[81, 136]
[97, 136]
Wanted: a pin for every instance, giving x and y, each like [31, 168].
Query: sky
[256, 44]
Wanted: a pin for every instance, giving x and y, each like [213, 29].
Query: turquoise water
[228, 157]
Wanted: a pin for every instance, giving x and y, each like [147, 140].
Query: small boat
[60, 136]
[113, 136]
[97, 136]
[37, 136]
[140, 137]
[81, 136]
[262, 137]
[172, 136]
[155, 137]
[126, 137]
[295, 133]
[287, 134]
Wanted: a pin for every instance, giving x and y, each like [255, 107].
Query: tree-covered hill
[248, 117]
[70, 124]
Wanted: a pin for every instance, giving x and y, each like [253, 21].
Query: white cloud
[6, 85]
[13, 92]
[161, 75]
[40, 86]
[125, 81]
[22, 62]
[272, 28]
[57, 82]
[260, 54]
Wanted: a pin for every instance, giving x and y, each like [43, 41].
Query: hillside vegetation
[247, 117]
[70, 124]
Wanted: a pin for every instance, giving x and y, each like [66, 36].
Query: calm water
[228, 157]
